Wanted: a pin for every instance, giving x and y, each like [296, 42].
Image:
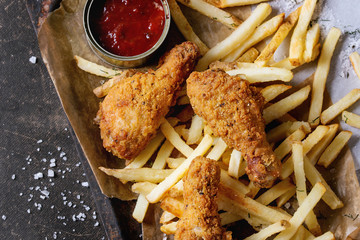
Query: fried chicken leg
[233, 110]
[132, 111]
[201, 219]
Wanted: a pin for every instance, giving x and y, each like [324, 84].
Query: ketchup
[129, 27]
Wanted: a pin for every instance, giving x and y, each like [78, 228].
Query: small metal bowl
[116, 60]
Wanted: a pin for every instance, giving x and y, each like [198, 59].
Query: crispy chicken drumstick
[132, 111]
[201, 220]
[233, 110]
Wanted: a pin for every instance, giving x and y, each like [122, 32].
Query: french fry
[234, 164]
[286, 118]
[195, 131]
[269, 230]
[285, 197]
[140, 208]
[315, 52]
[337, 108]
[320, 76]
[299, 216]
[297, 42]
[184, 26]
[184, 100]
[285, 63]
[308, 143]
[173, 137]
[253, 190]
[312, 38]
[138, 174]
[143, 188]
[177, 190]
[213, 12]
[272, 91]
[166, 217]
[104, 89]
[145, 155]
[218, 150]
[285, 129]
[175, 162]
[233, 3]
[173, 205]
[236, 38]
[285, 147]
[351, 119]
[355, 61]
[283, 106]
[268, 52]
[333, 150]
[226, 180]
[274, 192]
[249, 56]
[164, 152]
[96, 69]
[319, 148]
[261, 32]
[172, 179]
[313, 175]
[326, 236]
[264, 74]
[300, 181]
[227, 218]
[169, 228]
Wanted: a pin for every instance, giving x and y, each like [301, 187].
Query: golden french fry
[313, 175]
[264, 74]
[145, 155]
[253, 190]
[218, 150]
[235, 162]
[351, 119]
[285, 63]
[278, 38]
[285, 147]
[261, 32]
[249, 56]
[228, 181]
[164, 152]
[143, 187]
[300, 181]
[326, 236]
[104, 89]
[166, 217]
[308, 143]
[173, 205]
[270, 230]
[138, 174]
[184, 26]
[274, 192]
[333, 150]
[355, 61]
[318, 149]
[195, 130]
[299, 216]
[236, 38]
[227, 218]
[173, 137]
[213, 12]
[312, 38]
[297, 42]
[285, 129]
[285, 105]
[140, 208]
[285, 197]
[175, 162]
[178, 173]
[169, 228]
[96, 69]
[233, 3]
[320, 76]
[272, 91]
[335, 109]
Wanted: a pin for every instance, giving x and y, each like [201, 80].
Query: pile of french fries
[300, 145]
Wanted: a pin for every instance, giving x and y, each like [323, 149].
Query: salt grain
[85, 184]
[51, 173]
[3, 217]
[13, 177]
[38, 175]
[39, 141]
[33, 59]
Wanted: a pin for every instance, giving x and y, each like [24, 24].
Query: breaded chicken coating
[132, 111]
[200, 219]
[233, 110]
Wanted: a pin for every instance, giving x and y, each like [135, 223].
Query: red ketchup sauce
[129, 27]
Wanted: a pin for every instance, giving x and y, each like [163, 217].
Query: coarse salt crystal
[85, 184]
[39, 141]
[33, 59]
[13, 177]
[38, 175]
[51, 173]
[3, 217]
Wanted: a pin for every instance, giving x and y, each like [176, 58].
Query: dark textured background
[31, 111]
